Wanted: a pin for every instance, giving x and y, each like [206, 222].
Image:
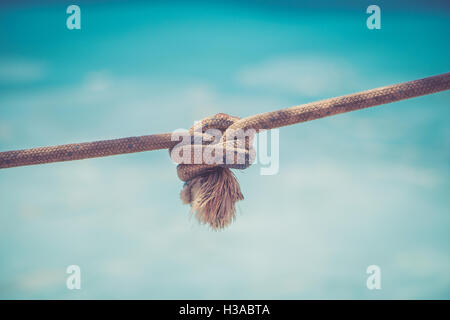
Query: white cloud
[40, 280]
[18, 70]
[98, 81]
[305, 75]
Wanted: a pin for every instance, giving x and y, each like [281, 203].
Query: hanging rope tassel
[212, 189]
[212, 196]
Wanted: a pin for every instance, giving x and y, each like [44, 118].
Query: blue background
[370, 187]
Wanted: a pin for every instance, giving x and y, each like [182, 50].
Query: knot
[205, 156]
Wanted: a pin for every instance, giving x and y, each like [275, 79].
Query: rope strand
[212, 189]
[268, 120]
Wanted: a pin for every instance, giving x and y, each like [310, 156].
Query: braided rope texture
[200, 140]
[212, 189]
[347, 103]
[268, 120]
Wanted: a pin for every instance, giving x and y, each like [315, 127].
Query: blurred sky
[370, 187]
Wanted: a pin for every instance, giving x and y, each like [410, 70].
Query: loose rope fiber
[212, 189]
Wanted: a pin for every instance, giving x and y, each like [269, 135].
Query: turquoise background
[370, 187]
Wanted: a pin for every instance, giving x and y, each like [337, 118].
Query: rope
[268, 120]
[211, 189]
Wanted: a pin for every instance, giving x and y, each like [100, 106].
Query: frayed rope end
[212, 196]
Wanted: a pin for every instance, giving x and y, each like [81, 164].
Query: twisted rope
[212, 189]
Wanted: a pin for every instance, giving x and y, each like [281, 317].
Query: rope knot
[205, 156]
